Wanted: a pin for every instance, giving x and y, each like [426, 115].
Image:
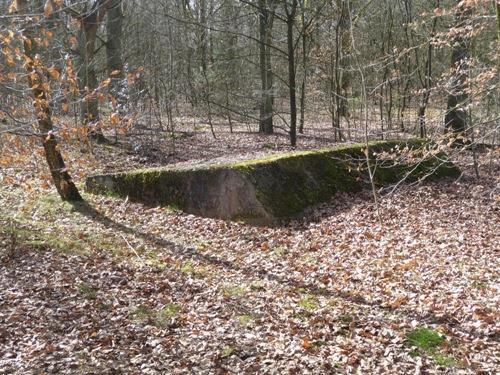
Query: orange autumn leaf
[48, 9]
[114, 118]
[54, 73]
[307, 344]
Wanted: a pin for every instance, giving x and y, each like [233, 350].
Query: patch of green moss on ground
[308, 303]
[166, 313]
[38, 240]
[424, 339]
[37, 225]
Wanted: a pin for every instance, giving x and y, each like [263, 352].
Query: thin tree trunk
[304, 70]
[90, 22]
[345, 52]
[114, 30]
[456, 115]
[498, 20]
[290, 12]
[427, 82]
[203, 36]
[60, 176]
[266, 15]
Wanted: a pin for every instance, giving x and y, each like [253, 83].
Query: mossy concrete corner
[262, 191]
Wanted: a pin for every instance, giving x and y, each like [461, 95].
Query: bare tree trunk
[266, 17]
[60, 176]
[90, 22]
[498, 20]
[342, 75]
[203, 36]
[290, 18]
[114, 31]
[426, 82]
[345, 52]
[456, 115]
[304, 68]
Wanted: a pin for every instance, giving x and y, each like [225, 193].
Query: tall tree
[90, 20]
[291, 11]
[114, 61]
[426, 80]
[36, 76]
[342, 65]
[266, 18]
[456, 114]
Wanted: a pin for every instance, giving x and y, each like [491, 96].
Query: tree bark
[266, 17]
[60, 176]
[203, 35]
[114, 62]
[498, 20]
[89, 24]
[456, 115]
[342, 74]
[427, 82]
[304, 69]
[290, 18]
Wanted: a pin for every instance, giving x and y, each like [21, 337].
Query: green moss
[424, 339]
[228, 351]
[479, 285]
[245, 320]
[41, 241]
[345, 318]
[446, 361]
[163, 317]
[308, 303]
[141, 313]
[87, 290]
[285, 184]
[232, 291]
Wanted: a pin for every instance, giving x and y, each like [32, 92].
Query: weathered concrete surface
[261, 191]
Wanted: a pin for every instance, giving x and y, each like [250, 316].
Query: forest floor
[112, 287]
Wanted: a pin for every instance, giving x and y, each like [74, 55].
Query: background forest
[386, 68]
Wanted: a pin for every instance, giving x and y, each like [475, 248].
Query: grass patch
[427, 341]
[424, 339]
[141, 313]
[228, 351]
[245, 320]
[201, 127]
[479, 285]
[174, 208]
[178, 136]
[231, 291]
[308, 303]
[280, 251]
[344, 318]
[258, 285]
[38, 225]
[153, 260]
[446, 361]
[269, 146]
[164, 315]
[37, 240]
[87, 290]
[189, 268]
